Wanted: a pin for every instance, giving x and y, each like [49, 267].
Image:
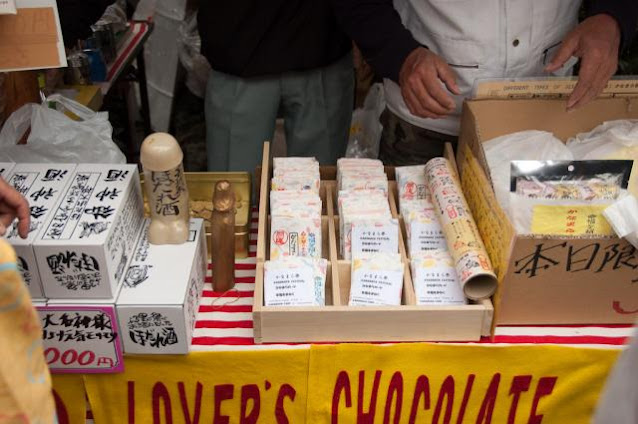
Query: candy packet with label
[566, 197]
[295, 237]
[422, 227]
[297, 181]
[372, 236]
[363, 205]
[376, 279]
[295, 281]
[411, 183]
[295, 173]
[435, 280]
[361, 174]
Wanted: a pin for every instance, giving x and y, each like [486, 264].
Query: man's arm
[596, 41]
[377, 30]
[393, 53]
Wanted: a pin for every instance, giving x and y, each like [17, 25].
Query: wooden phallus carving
[166, 188]
[223, 237]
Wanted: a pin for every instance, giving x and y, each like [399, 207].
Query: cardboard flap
[552, 88]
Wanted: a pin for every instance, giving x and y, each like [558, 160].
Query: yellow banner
[222, 387]
[419, 383]
[70, 398]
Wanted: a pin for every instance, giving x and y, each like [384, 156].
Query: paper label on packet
[289, 287]
[426, 236]
[368, 238]
[436, 282]
[376, 287]
[295, 237]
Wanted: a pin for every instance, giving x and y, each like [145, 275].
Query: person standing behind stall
[269, 57]
[430, 53]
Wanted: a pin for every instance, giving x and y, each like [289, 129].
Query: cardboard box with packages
[546, 279]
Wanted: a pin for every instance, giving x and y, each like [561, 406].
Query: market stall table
[540, 371]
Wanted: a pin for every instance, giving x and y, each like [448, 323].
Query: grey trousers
[316, 106]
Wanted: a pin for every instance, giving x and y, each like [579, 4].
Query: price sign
[81, 339]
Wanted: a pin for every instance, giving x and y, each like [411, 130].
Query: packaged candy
[361, 174]
[295, 237]
[295, 226]
[297, 181]
[295, 281]
[295, 174]
[435, 280]
[565, 197]
[371, 210]
[422, 227]
[464, 243]
[411, 183]
[377, 279]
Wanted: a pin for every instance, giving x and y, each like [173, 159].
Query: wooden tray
[338, 322]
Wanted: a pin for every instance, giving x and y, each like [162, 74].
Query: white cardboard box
[5, 169]
[42, 185]
[160, 296]
[87, 242]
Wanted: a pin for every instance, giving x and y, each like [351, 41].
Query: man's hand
[596, 42]
[13, 205]
[420, 80]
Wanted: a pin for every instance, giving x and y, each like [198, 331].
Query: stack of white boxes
[162, 289]
[88, 240]
[87, 251]
[43, 186]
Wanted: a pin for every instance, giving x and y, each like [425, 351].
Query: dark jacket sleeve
[624, 11]
[377, 30]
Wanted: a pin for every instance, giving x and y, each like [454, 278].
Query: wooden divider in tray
[338, 322]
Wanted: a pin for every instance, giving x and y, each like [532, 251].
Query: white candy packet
[376, 279]
[435, 279]
[295, 281]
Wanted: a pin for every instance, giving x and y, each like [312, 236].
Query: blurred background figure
[283, 58]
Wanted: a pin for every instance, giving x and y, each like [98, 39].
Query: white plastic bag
[365, 128]
[610, 140]
[623, 218]
[523, 145]
[56, 138]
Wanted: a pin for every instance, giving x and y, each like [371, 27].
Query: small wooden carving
[223, 237]
[165, 183]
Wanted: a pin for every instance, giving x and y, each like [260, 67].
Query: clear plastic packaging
[565, 197]
[610, 140]
[365, 128]
[523, 145]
